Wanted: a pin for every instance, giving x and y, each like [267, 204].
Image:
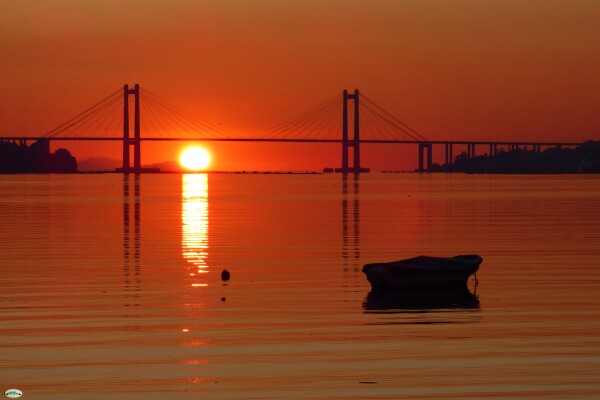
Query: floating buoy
[225, 275]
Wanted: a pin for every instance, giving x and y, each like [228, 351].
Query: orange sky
[451, 69]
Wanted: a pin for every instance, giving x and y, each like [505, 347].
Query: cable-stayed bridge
[349, 118]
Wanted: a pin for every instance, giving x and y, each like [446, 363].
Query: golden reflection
[194, 219]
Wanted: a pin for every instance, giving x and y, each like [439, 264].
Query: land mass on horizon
[16, 158]
[585, 158]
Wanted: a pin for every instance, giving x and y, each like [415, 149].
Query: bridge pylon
[355, 141]
[127, 141]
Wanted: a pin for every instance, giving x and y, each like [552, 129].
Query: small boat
[423, 272]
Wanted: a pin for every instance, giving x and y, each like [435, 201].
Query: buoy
[225, 275]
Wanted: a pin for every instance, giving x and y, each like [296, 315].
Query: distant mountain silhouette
[166, 166]
[99, 164]
[109, 164]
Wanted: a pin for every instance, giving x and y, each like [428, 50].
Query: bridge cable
[116, 120]
[174, 121]
[96, 121]
[167, 127]
[82, 115]
[169, 116]
[389, 123]
[297, 119]
[323, 121]
[82, 119]
[371, 125]
[390, 118]
[308, 126]
[192, 119]
[298, 122]
[153, 114]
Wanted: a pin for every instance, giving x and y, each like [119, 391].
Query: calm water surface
[111, 287]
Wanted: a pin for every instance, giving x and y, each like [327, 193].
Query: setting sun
[195, 158]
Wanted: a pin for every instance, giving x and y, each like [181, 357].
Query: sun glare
[195, 158]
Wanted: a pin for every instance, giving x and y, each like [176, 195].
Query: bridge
[327, 122]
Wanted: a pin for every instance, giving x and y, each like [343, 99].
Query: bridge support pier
[470, 150]
[422, 147]
[450, 154]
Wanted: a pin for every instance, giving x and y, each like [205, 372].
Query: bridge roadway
[204, 139]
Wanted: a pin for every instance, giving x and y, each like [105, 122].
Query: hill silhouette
[37, 157]
[98, 164]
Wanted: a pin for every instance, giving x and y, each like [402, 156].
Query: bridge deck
[276, 140]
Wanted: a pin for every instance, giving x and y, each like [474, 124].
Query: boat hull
[418, 299]
[423, 272]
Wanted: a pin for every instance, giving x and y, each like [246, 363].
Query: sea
[111, 286]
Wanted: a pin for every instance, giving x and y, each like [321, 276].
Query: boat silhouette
[423, 272]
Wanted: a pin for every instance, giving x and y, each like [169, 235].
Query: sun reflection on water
[194, 219]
